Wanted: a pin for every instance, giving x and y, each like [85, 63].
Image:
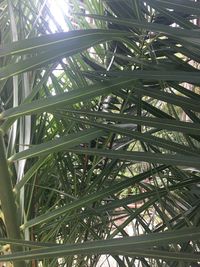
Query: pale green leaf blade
[58, 144]
[111, 246]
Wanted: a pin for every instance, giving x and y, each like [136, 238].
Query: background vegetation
[100, 132]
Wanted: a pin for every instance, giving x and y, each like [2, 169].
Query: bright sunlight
[59, 9]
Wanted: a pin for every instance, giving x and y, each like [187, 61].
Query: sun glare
[59, 9]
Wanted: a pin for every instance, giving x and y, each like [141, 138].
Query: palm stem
[8, 204]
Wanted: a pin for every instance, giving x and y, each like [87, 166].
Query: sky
[57, 8]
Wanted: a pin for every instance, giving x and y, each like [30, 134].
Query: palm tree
[99, 133]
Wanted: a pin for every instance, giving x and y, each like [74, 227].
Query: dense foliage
[100, 132]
